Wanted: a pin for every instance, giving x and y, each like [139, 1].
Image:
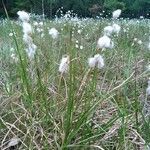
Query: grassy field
[86, 108]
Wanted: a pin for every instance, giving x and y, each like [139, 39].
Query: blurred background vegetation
[84, 8]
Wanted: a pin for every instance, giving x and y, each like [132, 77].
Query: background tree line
[84, 8]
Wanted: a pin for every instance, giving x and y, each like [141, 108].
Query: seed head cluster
[27, 34]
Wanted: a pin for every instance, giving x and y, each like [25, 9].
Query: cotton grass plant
[71, 98]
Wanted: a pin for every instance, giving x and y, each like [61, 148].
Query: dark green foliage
[84, 8]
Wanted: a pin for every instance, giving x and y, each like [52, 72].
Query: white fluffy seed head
[139, 42]
[10, 34]
[116, 28]
[27, 29]
[23, 16]
[14, 57]
[149, 46]
[81, 47]
[105, 42]
[79, 31]
[54, 33]
[92, 62]
[42, 35]
[39, 30]
[12, 49]
[77, 46]
[135, 39]
[97, 60]
[148, 89]
[149, 82]
[41, 23]
[35, 23]
[116, 13]
[64, 64]
[13, 142]
[27, 39]
[77, 41]
[31, 50]
[108, 30]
